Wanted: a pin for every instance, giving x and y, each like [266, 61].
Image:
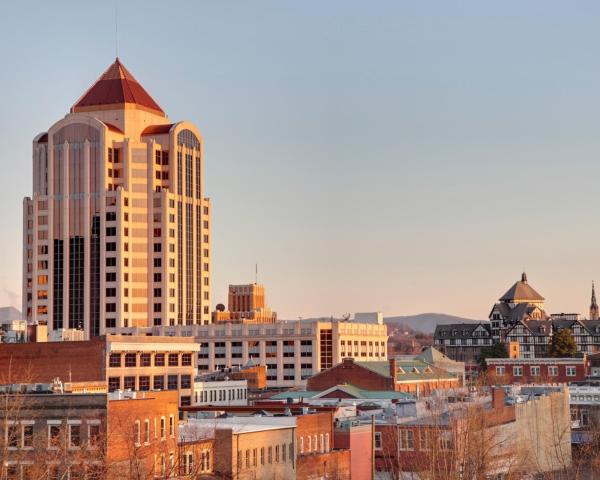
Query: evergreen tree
[497, 350]
[563, 344]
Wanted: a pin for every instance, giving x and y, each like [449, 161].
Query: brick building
[397, 374]
[196, 456]
[248, 449]
[120, 362]
[142, 434]
[358, 439]
[312, 440]
[482, 438]
[507, 371]
[62, 435]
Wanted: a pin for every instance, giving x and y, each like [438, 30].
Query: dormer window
[400, 371]
[454, 332]
[465, 332]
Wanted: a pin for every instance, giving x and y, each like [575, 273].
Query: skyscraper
[116, 234]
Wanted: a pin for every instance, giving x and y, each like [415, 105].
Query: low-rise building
[506, 371]
[584, 401]
[196, 455]
[137, 363]
[248, 450]
[142, 434]
[223, 392]
[272, 441]
[358, 439]
[397, 374]
[343, 393]
[50, 434]
[481, 438]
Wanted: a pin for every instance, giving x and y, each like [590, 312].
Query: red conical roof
[115, 87]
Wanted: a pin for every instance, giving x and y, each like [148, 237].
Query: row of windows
[220, 395]
[141, 433]
[187, 462]
[74, 471]
[426, 440]
[174, 382]
[535, 370]
[20, 435]
[465, 341]
[278, 454]
[465, 333]
[312, 445]
[145, 360]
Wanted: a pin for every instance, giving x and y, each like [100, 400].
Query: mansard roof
[116, 88]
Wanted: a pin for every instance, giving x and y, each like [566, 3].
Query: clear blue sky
[398, 156]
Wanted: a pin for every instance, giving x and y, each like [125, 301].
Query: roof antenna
[256, 273]
[116, 29]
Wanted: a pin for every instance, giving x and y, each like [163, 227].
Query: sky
[399, 156]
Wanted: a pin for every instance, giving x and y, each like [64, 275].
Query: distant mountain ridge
[426, 322]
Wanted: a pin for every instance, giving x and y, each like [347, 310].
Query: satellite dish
[220, 307]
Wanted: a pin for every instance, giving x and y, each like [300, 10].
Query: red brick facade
[350, 372]
[435, 445]
[41, 362]
[536, 370]
[335, 465]
[143, 430]
[359, 440]
[314, 433]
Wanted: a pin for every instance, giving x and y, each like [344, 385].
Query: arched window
[188, 138]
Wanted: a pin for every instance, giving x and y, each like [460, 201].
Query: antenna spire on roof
[524, 277]
[116, 30]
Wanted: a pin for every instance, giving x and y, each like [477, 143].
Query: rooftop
[521, 291]
[205, 427]
[116, 88]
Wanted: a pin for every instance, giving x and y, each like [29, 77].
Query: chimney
[347, 362]
[498, 395]
[393, 368]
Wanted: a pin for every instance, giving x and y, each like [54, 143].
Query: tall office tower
[117, 233]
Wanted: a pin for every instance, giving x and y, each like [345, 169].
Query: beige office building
[292, 351]
[117, 232]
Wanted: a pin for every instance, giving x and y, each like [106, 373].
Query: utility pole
[372, 447]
